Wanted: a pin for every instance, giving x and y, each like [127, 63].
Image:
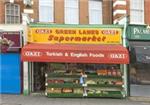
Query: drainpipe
[26, 85]
[125, 66]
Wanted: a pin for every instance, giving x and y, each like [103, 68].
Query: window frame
[71, 7]
[8, 7]
[50, 6]
[96, 10]
[137, 9]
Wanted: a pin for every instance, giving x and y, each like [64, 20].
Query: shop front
[75, 61]
[139, 46]
[10, 69]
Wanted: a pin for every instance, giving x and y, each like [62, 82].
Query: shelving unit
[65, 85]
[104, 88]
[69, 86]
[93, 85]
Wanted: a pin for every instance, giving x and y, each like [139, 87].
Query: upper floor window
[46, 10]
[12, 13]
[71, 11]
[95, 12]
[137, 11]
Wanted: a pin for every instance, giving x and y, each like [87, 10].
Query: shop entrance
[140, 69]
[38, 77]
[140, 79]
[68, 80]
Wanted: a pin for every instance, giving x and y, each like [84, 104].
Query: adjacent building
[136, 10]
[11, 40]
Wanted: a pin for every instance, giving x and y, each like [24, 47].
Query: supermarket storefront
[139, 44]
[75, 61]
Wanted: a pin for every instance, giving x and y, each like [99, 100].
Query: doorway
[37, 75]
[140, 79]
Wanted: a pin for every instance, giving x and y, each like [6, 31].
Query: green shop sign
[138, 32]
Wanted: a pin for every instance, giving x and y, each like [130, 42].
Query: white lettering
[54, 54]
[136, 31]
[66, 54]
[33, 53]
[141, 31]
[147, 57]
[118, 56]
[78, 55]
[96, 55]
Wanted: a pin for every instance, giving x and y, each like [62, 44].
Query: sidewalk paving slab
[42, 100]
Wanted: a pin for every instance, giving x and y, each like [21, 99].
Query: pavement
[42, 100]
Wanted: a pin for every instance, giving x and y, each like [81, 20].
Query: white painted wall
[119, 12]
[11, 27]
[25, 78]
[120, 2]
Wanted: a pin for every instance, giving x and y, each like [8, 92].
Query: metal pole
[125, 69]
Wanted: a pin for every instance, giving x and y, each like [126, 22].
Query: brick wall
[35, 8]
[83, 11]
[107, 11]
[59, 11]
[2, 12]
[147, 12]
[2, 9]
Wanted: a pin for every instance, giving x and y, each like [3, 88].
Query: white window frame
[66, 16]
[12, 15]
[49, 4]
[136, 9]
[92, 8]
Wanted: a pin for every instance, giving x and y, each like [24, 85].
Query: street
[42, 100]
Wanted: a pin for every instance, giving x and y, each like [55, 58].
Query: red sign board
[54, 54]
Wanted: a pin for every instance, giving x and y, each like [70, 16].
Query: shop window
[71, 11]
[139, 73]
[46, 10]
[95, 12]
[137, 11]
[12, 13]
[132, 55]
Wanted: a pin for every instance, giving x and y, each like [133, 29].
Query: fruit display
[84, 83]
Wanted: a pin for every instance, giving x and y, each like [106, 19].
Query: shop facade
[139, 48]
[11, 42]
[75, 61]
